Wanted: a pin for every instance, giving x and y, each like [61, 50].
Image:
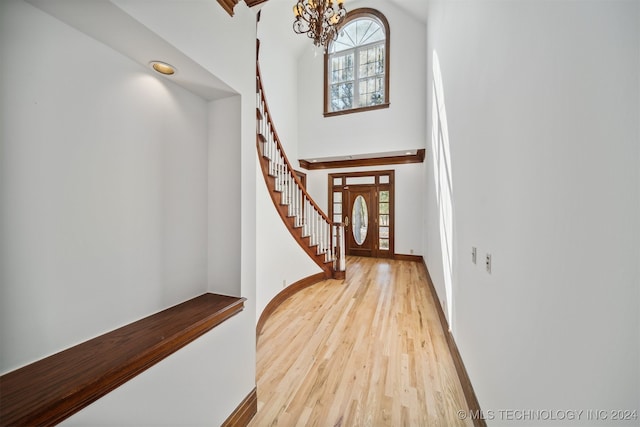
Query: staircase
[322, 239]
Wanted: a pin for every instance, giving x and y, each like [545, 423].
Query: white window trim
[356, 75]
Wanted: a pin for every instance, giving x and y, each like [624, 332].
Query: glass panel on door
[383, 221]
[337, 206]
[360, 220]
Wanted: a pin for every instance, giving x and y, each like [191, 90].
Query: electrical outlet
[474, 255]
[488, 263]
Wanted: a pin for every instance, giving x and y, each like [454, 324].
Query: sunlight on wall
[153, 85]
[444, 186]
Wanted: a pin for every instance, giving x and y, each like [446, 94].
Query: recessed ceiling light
[163, 67]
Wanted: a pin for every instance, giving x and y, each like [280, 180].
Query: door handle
[346, 221]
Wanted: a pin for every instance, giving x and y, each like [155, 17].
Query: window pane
[384, 220]
[371, 92]
[384, 195]
[361, 180]
[384, 208]
[341, 96]
[358, 32]
[384, 244]
[337, 195]
[342, 68]
[371, 61]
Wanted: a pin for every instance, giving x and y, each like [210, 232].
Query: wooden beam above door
[375, 160]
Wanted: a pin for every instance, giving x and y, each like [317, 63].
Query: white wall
[185, 389]
[224, 255]
[103, 189]
[409, 201]
[281, 261]
[542, 108]
[104, 196]
[399, 127]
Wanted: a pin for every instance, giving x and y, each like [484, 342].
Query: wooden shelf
[52, 389]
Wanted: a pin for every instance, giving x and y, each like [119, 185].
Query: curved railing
[320, 237]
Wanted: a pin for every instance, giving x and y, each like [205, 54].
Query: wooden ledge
[52, 389]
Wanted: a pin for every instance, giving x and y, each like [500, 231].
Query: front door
[360, 228]
[363, 202]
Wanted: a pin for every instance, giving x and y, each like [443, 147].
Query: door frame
[350, 193]
[383, 180]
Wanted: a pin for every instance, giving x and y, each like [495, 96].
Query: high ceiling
[98, 19]
[277, 20]
[417, 8]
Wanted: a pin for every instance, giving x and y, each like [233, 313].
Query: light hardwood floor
[366, 352]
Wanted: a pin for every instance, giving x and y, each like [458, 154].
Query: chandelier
[318, 20]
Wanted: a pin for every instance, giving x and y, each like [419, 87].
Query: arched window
[356, 65]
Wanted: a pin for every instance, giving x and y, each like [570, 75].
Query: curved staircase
[322, 239]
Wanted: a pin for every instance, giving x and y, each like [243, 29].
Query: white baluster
[294, 200]
[290, 192]
[280, 177]
[279, 170]
[276, 171]
[323, 232]
[310, 220]
[332, 239]
[321, 226]
[317, 232]
[325, 247]
[311, 225]
[327, 240]
[314, 227]
[343, 265]
[306, 216]
[298, 207]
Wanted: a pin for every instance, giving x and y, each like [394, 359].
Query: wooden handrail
[52, 389]
[279, 145]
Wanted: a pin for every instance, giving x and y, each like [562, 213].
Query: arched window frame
[352, 16]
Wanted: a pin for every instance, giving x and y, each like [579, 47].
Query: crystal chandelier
[318, 20]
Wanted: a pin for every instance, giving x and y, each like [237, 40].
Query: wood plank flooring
[366, 352]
